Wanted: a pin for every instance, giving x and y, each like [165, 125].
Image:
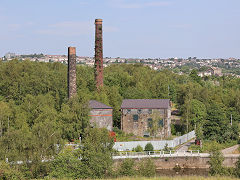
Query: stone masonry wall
[185, 162]
[101, 118]
[140, 127]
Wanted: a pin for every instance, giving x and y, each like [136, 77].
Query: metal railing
[171, 153]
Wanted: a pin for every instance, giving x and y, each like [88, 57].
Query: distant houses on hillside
[212, 71]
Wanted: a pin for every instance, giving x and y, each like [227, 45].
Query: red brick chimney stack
[72, 86]
[98, 53]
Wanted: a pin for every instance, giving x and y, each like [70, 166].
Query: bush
[7, 172]
[147, 168]
[127, 168]
[138, 149]
[216, 160]
[166, 148]
[66, 165]
[117, 131]
[149, 147]
[238, 141]
[237, 169]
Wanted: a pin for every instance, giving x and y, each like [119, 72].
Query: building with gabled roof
[101, 115]
[146, 117]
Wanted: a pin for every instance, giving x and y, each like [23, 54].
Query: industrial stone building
[101, 115]
[146, 117]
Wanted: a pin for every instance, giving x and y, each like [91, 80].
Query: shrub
[127, 168]
[237, 169]
[148, 147]
[118, 131]
[66, 165]
[7, 172]
[138, 148]
[166, 148]
[147, 168]
[216, 160]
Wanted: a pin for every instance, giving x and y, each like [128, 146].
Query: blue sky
[132, 28]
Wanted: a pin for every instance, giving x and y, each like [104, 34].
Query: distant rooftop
[145, 103]
[93, 104]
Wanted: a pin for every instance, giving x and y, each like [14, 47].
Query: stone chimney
[98, 53]
[72, 86]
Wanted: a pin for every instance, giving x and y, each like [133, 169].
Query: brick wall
[72, 86]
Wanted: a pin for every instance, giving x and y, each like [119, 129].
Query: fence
[157, 145]
[124, 155]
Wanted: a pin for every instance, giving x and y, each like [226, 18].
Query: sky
[131, 28]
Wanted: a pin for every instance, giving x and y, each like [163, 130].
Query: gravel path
[230, 150]
[185, 146]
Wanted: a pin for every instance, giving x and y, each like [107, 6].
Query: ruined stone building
[146, 117]
[101, 115]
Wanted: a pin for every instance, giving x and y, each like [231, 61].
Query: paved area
[185, 146]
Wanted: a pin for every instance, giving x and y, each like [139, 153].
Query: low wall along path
[157, 145]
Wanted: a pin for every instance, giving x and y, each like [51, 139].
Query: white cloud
[136, 5]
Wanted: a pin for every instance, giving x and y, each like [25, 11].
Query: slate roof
[145, 104]
[93, 104]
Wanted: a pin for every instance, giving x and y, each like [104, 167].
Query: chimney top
[98, 21]
[72, 50]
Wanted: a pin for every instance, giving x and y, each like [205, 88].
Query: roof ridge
[94, 104]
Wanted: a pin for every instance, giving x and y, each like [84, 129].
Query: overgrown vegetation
[36, 118]
[148, 147]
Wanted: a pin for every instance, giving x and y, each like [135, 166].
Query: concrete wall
[185, 162]
[101, 118]
[140, 127]
[158, 145]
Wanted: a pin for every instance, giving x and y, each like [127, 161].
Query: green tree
[194, 76]
[97, 147]
[67, 165]
[8, 172]
[138, 148]
[5, 116]
[216, 127]
[149, 147]
[237, 169]
[74, 118]
[127, 168]
[198, 116]
[147, 168]
[216, 160]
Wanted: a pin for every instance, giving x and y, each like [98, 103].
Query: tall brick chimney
[98, 53]
[72, 86]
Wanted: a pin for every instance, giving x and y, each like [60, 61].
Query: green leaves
[93, 160]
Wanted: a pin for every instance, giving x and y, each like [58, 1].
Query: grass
[166, 178]
[179, 178]
[208, 145]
